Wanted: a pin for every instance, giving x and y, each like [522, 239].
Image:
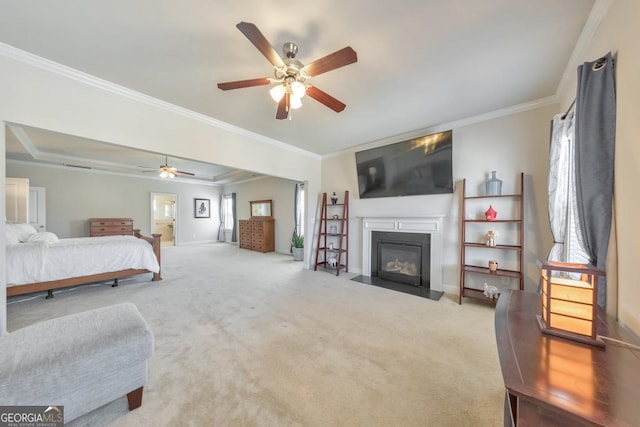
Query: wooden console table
[552, 381]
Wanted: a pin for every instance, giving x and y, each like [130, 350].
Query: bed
[37, 262]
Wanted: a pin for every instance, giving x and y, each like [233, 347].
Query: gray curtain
[595, 143]
[221, 215]
[234, 230]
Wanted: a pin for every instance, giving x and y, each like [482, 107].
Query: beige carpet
[250, 339]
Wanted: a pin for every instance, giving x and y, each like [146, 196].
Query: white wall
[619, 33]
[510, 145]
[74, 196]
[281, 191]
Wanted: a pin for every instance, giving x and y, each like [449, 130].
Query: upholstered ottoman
[82, 361]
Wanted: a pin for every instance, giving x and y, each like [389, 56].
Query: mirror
[260, 208]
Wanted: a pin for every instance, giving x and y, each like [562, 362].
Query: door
[163, 217]
[38, 208]
[17, 200]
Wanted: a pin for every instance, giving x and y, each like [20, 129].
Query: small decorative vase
[333, 229]
[490, 214]
[334, 198]
[493, 266]
[494, 185]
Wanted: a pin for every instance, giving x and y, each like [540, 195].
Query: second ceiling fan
[167, 172]
[290, 74]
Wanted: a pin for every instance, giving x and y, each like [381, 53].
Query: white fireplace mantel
[426, 225]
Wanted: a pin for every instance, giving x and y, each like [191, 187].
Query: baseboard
[450, 289]
[199, 242]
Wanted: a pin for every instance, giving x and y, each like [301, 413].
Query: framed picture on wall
[202, 208]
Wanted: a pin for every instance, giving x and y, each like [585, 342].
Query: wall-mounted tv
[417, 166]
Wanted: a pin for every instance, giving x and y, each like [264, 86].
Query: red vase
[490, 214]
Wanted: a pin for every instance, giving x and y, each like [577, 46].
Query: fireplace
[410, 257]
[401, 257]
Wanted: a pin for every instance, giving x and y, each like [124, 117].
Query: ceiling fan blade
[239, 84]
[283, 107]
[326, 99]
[254, 35]
[332, 61]
[184, 173]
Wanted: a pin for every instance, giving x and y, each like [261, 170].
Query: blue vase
[494, 185]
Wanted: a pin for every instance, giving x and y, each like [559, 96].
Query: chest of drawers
[110, 227]
[257, 234]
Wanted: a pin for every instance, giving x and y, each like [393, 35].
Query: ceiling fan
[168, 172]
[290, 75]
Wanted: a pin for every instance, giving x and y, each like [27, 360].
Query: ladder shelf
[333, 236]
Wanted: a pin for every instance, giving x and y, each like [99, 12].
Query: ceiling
[421, 63]
[35, 145]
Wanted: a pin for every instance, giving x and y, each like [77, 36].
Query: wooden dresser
[257, 234]
[553, 382]
[110, 227]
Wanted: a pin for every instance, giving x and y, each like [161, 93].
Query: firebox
[401, 257]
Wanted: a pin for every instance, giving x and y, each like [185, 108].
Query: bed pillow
[44, 237]
[11, 237]
[23, 231]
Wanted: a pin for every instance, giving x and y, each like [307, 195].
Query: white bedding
[33, 262]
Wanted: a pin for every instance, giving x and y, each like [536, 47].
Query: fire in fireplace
[401, 257]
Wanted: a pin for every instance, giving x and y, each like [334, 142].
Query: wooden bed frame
[84, 280]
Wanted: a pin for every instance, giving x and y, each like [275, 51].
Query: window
[299, 209]
[227, 209]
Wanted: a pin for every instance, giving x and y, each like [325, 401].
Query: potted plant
[297, 243]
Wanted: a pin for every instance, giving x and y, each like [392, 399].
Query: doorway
[163, 217]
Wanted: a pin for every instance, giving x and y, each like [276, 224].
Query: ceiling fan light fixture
[277, 92]
[295, 102]
[298, 89]
[290, 75]
[167, 173]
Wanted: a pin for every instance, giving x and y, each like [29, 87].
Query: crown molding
[542, 102]
[88, 79]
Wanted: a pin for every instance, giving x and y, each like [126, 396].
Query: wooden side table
[552, 381]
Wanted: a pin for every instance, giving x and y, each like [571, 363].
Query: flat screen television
[417, 166]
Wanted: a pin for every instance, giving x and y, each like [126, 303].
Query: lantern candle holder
[569, 301]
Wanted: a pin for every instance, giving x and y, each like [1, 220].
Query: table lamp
[569, 301]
